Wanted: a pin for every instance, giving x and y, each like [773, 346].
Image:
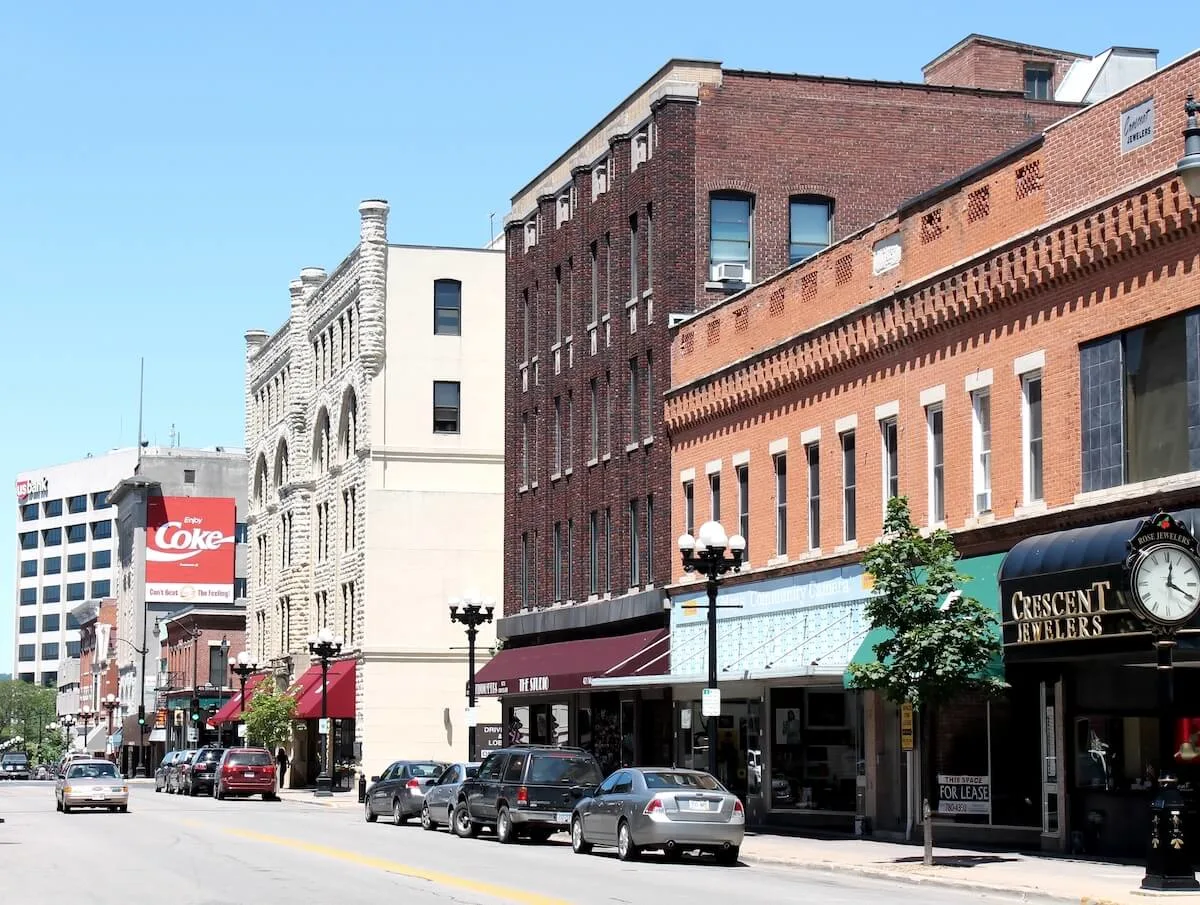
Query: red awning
[571, 665]
[231, 710]
[340, 687]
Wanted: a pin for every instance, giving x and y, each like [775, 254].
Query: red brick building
[1017, 351]
[703, 181]
[98, 676]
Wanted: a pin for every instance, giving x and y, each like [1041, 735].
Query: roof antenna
[492, 228]
[141, 400]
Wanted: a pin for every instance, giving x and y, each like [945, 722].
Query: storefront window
[1115, 752]
[814, 749]
[539, 724]
[739, 742]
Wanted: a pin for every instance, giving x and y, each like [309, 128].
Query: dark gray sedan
[400, 789]
[442, 794]
[671, 810]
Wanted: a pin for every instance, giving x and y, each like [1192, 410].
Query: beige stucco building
[374, 424]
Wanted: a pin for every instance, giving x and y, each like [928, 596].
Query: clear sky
[164, 172]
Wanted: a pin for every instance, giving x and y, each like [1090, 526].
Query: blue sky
[165, 172]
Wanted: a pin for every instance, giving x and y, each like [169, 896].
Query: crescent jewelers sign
[190, 549]
[1061, 615]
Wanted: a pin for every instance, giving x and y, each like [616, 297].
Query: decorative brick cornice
[1096, 237]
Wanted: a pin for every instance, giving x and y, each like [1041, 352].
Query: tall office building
[64, 556]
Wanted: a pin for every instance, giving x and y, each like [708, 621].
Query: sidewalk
[341, 800]
[1014, 873]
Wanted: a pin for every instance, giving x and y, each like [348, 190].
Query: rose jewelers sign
[190, 549]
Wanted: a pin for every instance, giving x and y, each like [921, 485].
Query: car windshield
[564, 769]
[248, 759]
[426, 771]
[664, 779]
[92, 771]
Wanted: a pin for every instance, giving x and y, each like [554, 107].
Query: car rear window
[472, 772]
[248, 759]
[564, 769]
[92, 771]
[425, 771]
[210, 755]
[16, 759]
[664, 779]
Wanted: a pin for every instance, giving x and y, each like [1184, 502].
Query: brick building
[1017, 351]
[98, 674]
[705, 180]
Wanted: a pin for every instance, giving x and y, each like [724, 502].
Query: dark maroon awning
[572, 665]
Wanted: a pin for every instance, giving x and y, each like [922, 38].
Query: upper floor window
[599, 179]
[100, 500]
[77, 504]
[810, 227]
[29, 512]
[52, 508]
[731, 232]
[1037, 82]
[447, 307]
[446, 408]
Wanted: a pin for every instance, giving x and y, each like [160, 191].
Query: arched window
[348, 426]
[810, 226]
[281, 464]
[321, 445]
[447, 307]
[260, 478]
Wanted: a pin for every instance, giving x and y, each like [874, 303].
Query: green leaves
[942, 643]
[269, 716]
[25, 710]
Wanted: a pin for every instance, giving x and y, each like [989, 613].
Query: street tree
[941, 644]
[25, 709]
[269, 716]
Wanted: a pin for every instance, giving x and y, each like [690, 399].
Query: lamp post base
[139, 771]
[324, 785]
[1168, 858]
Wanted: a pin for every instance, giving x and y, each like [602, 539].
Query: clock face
[1166, 582]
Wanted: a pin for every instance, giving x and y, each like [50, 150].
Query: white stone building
[374, 425]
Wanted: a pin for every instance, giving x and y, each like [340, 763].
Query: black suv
[197, 774]
[525, 790]
[14, 765]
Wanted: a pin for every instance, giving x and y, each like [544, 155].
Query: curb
[880, 873]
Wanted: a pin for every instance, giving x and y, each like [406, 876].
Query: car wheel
[728, 856]
[579, 845]
[192, 790]
[626, 850]
[57, 805]
[505, 831]
[369, 815]
[427, 818]
[218, 792]
[399, 818]
[464, 827]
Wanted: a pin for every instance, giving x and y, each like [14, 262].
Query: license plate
[562, 817]
[249, 775]
[698, 806]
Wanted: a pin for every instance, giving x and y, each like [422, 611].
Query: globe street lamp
[242, 666]
[706, 555]
[1188, 166]
[110, 703]
[67, 722]
[325, 646]
[86, 715]
[472, 612]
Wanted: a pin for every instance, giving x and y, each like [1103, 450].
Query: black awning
[1073, 550]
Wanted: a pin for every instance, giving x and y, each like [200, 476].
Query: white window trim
[1026, 463]
[741, 458]
[846, 424]
[810, 436]
[929, 463]
[933, 396]
[713, 467]
[777, 446]
[887, 410]
[977, 470]
[688, 474]
[883, 455]
[978, 380]
[1027, 364]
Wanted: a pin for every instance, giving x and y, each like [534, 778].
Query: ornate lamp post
[1188, 166]
[86, 715]
[67, 722]
[472, 612]
[110, 703]
[706, 555]
[325, 646]
[242, 666]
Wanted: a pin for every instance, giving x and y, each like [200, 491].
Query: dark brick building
[701, 182]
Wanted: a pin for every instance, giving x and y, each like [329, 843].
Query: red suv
[246, 771]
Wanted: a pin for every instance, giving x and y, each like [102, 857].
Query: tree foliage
[25, 709]
[942, 643]
[269, 716]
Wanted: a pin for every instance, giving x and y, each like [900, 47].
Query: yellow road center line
[404, 870]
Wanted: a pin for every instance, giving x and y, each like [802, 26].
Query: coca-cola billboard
[190, 550]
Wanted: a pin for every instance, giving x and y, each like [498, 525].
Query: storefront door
[738, 731]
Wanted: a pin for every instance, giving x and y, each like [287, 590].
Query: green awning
[981, 581]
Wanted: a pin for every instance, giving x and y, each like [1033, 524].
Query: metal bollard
[362, 787]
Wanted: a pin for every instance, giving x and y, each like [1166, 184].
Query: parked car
[164, 769]
[442, 794]
[525, 790]
[14, 765]
[174, 783]
[400, 789]
[667, 809]
[245, 771]
[196, 774]
[91, 784]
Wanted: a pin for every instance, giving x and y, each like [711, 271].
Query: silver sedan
[442, 794]
[671, 810]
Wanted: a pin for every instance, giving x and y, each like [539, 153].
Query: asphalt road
[198, 851]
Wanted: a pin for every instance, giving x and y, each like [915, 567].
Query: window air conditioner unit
[731, 273]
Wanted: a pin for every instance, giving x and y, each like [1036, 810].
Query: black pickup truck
[14, 765]
[525, 790]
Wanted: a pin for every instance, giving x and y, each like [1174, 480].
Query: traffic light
[141, 714]
[195, 710]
